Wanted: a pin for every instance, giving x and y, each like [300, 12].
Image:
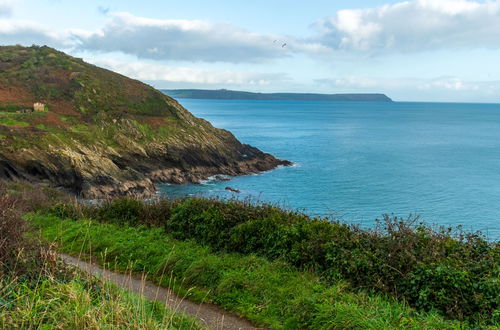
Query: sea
[356, 161]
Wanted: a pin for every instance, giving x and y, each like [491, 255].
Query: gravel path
[209, 315]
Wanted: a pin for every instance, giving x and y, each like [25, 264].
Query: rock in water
[233, 190]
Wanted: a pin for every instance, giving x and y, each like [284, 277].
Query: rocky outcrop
[101, 171]
[104, 134]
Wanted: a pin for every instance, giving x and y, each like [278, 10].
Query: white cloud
[162, 73]
[433, 89]
[414, 26]
[189, 40]
[440, 83]
[27, 33]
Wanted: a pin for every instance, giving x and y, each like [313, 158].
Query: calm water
[356, 161]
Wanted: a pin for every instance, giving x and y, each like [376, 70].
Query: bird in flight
[282, 46]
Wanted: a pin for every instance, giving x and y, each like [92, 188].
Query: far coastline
[225, 94]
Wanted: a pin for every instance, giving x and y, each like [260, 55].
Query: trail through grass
[270, 293]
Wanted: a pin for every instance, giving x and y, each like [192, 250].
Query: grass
[19, 119]
[82, 302]
[270, 293]
[12, 122]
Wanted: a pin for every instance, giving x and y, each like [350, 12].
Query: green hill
[224, 94]
[102, 133]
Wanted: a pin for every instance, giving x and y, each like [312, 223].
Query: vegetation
[52, 76]
[258, 260]
[80, 303]
[12, 120]
[80, 95]
[270, 293]
[432, 269]
[38, 291]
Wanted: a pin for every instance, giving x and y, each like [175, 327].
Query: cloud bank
[358, 37]
[187, 40]
[403, 27]
[413, 26]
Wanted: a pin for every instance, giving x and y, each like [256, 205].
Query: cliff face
[105, 134]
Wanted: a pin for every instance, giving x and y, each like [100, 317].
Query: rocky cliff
[103, 134]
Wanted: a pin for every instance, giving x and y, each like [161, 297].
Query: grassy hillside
[270, 293]
[70, 86]
[103, 133]
[435, 270]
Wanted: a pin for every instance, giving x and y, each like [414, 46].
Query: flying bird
[282, 46]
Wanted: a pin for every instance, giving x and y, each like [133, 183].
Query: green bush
[455, 291]
[125, 210]
[64, 211]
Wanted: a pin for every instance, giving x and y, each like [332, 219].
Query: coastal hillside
[67, 123]
[224, 94]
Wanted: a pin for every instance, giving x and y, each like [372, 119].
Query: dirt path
[209, 315]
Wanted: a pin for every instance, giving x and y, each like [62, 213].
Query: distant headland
[225, 94]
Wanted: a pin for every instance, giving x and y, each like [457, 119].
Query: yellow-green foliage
[12, 122]
[81, 303]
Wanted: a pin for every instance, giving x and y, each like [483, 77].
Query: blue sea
[356, 161]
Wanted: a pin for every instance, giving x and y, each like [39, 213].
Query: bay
[355, 161]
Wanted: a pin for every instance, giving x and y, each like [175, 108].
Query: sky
[418, 50]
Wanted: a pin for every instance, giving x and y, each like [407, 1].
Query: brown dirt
[52, 120]
[209, 315]
[12, 95]
[153, 122]
[63, 107]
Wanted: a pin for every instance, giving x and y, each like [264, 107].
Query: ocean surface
[356, 161]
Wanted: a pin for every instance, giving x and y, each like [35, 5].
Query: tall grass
[81, 302]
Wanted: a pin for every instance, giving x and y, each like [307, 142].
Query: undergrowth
[442, 269]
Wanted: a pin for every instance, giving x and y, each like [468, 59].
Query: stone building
[39, 107]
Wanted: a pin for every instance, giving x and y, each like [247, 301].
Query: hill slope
[224, 94]
[105, 134]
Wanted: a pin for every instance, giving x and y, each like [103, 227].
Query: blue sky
[419, 50]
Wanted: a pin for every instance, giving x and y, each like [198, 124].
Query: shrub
[21, 253]
[12, 231]
[125, 210]
[65, 211]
